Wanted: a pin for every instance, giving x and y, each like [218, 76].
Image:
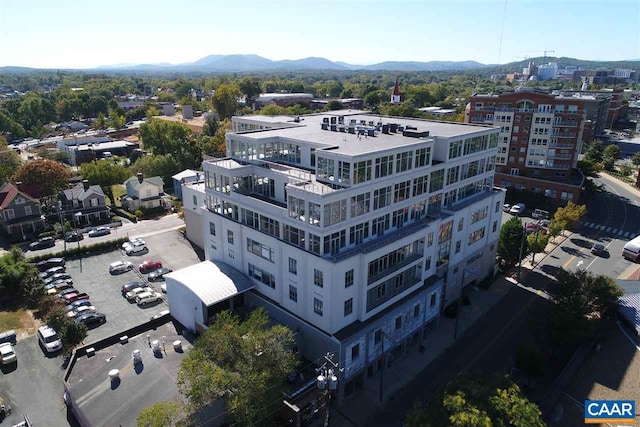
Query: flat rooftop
[102, 146]
[310, 131]
[103, 403]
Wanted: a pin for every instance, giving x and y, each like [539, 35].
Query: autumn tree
[105, 174]
[477, 400]
[536, 242]
[570, 214]
[225, 100]
[48, 176]
[247, 362]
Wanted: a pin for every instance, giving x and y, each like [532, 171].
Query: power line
[504, 16]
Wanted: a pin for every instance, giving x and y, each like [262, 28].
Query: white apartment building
[355, 228]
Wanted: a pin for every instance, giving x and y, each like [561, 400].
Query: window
[437, 179]
[264, 277]
[455, 149]
[380, 225]
[423, 157]
[335, 212]
[348, 279]
[453, 175]
[458, 245]
[27, 209]
[293, 266]
[381, 197]
[398, 322]
[344, 172]
[432, 303]
[195, 200]
[497, 207]
[384, 166]
[360, 204]
[93, 202]
[293, 293]
[402, 191]
[377, 337]
[400, 217]
[476, 235]
[317, 306]
[212, 229]
[495, 226]
[296, 208]
[355, 351]
[461, 224]
[230, 237]
[404, 161]
[293, 235]
[348, 307]
[430, 239]
[314, 243]
[427, 263]
[420, 185]
[318, 279]
[260, 250]
[362, 171]
[314, 214]
[416, 311]
[480, 214]
[358, 233]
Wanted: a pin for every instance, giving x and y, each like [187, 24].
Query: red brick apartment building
[539, 142]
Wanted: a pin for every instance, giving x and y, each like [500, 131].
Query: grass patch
[12, 319]
[118, 190]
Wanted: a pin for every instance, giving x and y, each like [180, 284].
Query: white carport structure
[196, 293]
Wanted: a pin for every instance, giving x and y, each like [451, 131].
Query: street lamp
[64, 237]
[77, 217]
[328, 381]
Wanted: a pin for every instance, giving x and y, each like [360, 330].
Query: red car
[72, 297]
[150, 265]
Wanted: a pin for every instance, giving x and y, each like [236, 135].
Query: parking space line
[602, 227]
[593, 225]
[608, 229]
[626, 234]
[620, 233]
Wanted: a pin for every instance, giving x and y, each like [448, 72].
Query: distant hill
[425, 66]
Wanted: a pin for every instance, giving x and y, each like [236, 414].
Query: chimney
[85, 185]
[140, 177]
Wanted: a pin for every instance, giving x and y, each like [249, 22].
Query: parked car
[517, 209]
[56, 277]
[7, 355]
[74, 236]
[149, 265]
[158, 274]
[506, 207]
[59, 288]
[132, 242]
[49, 339]
[51, 271]
[131, 286]
[83, 309]
[92, 319]
[136, 247]
[545, 222]
[48, 263]
[72, 297]
[146, 298]
[540, 214]
[160, 314]
[99, 231]
[76, 304]
[133, 293]
[67, 291]
[45, 242]
[598, 249]
[8, 336]
[58, 283]
[120, 267]
[163, 288]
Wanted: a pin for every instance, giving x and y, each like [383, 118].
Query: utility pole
[64, 234]
[524, 236]
[328, 381]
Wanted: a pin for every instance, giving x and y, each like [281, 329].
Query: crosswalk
[610, 230]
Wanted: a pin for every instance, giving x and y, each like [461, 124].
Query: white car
[136, 247]
[133, 293]
[120, 267]
[145, 298]
[81, 310]
[49, 339]
[7, 355]
[517, 209]
[131, 242]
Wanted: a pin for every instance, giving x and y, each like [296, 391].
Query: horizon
[458, 30]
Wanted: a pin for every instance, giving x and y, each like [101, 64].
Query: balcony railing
[566, 123]
[560, 145]
[559, 156]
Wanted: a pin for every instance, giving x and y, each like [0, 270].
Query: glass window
[318, 278]
[317, 306]
[348, 278]
[384, 166]
[360, 204]
[362, 172]
[423, 157]
[230, 237]
[212, 229]
[381, 197]
[402, 191]
[404, 161]
[293, 293]
[293, 266]
[437, 179]
[348, 307]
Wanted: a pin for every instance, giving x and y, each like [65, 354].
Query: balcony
[560, 145]
[560, 156]
[569, 123]
[563, 135]
[470, 200]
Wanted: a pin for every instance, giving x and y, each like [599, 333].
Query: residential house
[86, 200]
[144, 193]
[20, 213]
[184, 177]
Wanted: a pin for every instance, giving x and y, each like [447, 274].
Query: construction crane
[537, 51]
[548, 51]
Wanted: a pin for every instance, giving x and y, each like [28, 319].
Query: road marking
[626, 234]
[602, 227]
[587, 224]
[569, 261]
[580, 263]
[592, 225]
[620, 233]
[609, 229]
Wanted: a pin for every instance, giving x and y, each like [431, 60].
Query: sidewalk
[606, 177]
[358, 408]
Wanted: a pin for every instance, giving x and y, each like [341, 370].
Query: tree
[511, 236]
[164, 166]
[225, 100]
[47, 176]
[217, 143]
[477, 401]
[334, 104]
[611, 154]
[536, 242]
[159, 415]
[116, 120]
[635, 159]
[211, 125]
[19, 278]
[247, 362]
[272, 110]
[10, 161]
[162, 137]
[626, 169]
[581, 300]
[152, 111]
[250, 86]
[73, 333]
[556, 227]
[105, 174]
[594, 151]
[57, 318]
[570, 214]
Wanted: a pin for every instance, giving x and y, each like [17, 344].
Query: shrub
[83, 250]
[48, 234]
[139, 214]
[124, 214]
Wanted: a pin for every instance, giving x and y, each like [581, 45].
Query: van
[8, 336]
[49, 339]
[631, 250]
[540, 214]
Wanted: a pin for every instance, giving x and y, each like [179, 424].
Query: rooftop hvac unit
[385, 129]
[352, 122]
[370, 122]
[410, 133]
[352, 129]
[342, 129]
[400, 128]
[333, 120]
[334, 127]
[393, 127]
[325, 120]
[363, 122]
[371, 132]
[325, 126]
[409, 127]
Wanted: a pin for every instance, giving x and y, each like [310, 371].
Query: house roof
[8, 192]
[78, 192]
[212, 282]
[135, 183]
[187, 173]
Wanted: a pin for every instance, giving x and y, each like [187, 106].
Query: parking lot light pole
[64, 236]
[77, 217]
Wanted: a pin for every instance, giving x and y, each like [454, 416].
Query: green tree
[247, 362]
[556, 227]
[116, 120]
[47, 176]
[272, 110]
[73, 333]
[19, 278]
[250, 86]
[334, 104]
[57, 318]
[536, 242]
[635, 159]
[211, 125]
[570, 214]
[11, 127]
[225, 100]
[594, 151]
[610, 155]
[511, 237]
[475, 401]
[105, 174]
[626, 169]
[10, 161]
[152, 111]
[162, 137]
[164, 166]
[161, 414]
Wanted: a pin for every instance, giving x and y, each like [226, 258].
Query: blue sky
[89, 33]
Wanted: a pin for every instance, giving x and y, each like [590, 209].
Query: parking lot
[34, 386]
[104, 289]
